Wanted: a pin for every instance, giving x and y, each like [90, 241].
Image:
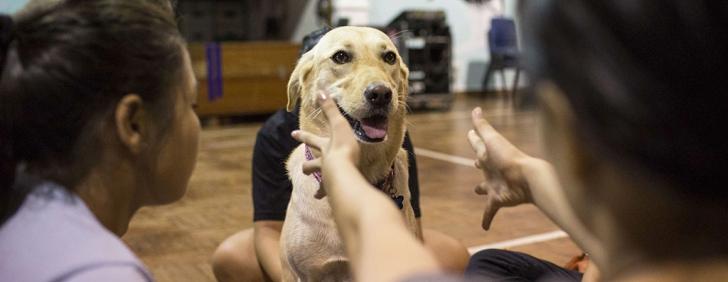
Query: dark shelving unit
[425, 44]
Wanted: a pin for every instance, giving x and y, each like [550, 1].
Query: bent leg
[235, 259]
[502, 265]
[450, 253]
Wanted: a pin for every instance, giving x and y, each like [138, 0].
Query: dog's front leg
[287, 274]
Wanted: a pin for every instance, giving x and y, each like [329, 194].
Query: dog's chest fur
[310, 244]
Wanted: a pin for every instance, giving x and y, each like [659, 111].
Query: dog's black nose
[378, 95]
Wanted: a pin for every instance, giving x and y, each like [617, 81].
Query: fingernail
[294, 133]
[478, 112]
[323, 96]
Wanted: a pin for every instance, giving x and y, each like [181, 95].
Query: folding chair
[504, 53]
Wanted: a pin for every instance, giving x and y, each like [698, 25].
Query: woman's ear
[298, 78]
[129, 121]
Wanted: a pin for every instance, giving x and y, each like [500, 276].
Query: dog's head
[362, 71]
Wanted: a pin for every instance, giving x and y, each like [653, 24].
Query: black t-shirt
[271, 186]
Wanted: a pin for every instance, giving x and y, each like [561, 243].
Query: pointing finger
[331, 111]
[309, 139]
[478, 146]
[491, 209]
[312, 166]
[500, 150]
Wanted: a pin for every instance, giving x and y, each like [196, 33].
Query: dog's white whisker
[317, 114]
[408, 123]
[314, 114]
[396, 35]
[405, 105]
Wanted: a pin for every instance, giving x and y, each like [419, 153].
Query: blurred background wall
[10, 6]
[255, 43]
[468, 22]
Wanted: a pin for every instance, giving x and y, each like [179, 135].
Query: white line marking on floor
[444, 157]
[491, 114]
[548, 236]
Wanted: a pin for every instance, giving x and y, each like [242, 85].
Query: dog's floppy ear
[298, 76]
[404, 83]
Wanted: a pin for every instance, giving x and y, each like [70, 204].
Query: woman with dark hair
[633, 116]
[96, 121]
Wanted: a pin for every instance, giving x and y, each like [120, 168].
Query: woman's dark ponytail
[8, 160]
[64, 65]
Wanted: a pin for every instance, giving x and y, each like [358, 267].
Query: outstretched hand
[502, 163]
[340, 148]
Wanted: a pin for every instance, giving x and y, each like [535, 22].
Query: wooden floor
[176, 241]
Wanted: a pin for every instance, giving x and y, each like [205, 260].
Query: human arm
[271, 189]
[376, 239]
[513, 178]
[266, 240]
[377, 242]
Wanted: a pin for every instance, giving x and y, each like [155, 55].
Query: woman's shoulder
[54, 234]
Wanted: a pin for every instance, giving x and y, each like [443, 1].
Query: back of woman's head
[645, 80]
[64, 67]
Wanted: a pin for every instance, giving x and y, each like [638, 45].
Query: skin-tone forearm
[375, 238]
[266, 240]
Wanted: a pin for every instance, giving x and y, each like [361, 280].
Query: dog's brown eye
[389, 58]
[341, 57]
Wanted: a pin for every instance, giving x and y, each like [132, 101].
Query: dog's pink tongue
[374, 130]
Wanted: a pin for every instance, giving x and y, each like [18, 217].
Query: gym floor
[176, 241]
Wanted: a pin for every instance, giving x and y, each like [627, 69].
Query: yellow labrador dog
[361, 70]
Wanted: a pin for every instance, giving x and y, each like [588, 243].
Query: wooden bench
[254, 77]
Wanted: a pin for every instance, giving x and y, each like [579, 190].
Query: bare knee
[235, 259]
[449, 252]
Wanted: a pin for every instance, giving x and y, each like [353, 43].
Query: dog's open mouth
[372, 129]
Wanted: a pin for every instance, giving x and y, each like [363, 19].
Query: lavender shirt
[55, 237]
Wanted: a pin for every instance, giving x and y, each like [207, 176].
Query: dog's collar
[385, 185]
[309, 157]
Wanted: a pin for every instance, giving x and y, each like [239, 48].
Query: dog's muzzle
[371, 129]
